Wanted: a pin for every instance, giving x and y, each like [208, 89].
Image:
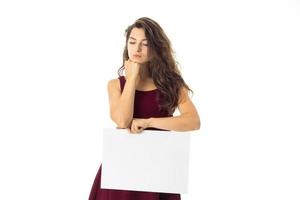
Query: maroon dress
[145, 106]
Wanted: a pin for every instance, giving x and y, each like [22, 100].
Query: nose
[139, 47]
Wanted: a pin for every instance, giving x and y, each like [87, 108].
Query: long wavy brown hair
[162, 66]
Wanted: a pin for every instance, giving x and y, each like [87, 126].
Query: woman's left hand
[138, 125]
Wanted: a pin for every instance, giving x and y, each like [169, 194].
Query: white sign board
[154, 161]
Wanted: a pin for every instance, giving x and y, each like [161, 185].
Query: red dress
[145, 106]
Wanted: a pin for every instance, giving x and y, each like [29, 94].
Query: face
[137, 46]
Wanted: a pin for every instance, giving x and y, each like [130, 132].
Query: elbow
[197, 124]
[121, 123]
[192, 123]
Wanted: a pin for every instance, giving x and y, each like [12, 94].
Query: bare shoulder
[113, 85]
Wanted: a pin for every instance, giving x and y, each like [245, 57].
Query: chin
[138, 61]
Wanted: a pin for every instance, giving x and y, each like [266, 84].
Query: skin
[137, 78]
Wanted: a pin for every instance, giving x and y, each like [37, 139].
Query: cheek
[145, 51]
[129, 49]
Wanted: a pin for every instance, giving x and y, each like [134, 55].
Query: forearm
[124, 110]
[177, 123]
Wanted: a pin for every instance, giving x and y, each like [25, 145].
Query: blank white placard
[155, 161]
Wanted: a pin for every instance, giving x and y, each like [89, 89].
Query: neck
[144, 71]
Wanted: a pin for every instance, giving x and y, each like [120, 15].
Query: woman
[147, 96]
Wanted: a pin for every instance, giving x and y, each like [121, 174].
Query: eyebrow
[135, 39]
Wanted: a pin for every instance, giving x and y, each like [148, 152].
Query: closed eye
[134, 43]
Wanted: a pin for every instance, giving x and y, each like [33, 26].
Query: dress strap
[122, 82]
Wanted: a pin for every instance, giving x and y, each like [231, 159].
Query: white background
[241, 58]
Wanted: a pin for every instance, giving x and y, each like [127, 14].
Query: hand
[138, 125]
[132, 69]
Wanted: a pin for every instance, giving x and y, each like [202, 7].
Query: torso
[146, 100]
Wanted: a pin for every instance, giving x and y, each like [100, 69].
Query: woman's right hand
[131, 69]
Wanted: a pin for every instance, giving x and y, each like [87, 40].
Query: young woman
[147, 96]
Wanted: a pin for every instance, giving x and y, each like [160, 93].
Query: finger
[132, 129]
[140, 129]
[136, 128]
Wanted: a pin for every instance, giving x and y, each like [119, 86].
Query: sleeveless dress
[145, 106]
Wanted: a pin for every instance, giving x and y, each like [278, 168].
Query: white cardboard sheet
[154, 161]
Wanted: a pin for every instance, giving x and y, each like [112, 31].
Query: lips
[137, 56]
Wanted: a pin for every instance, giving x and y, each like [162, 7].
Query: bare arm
[122, 104]
[188, 119]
